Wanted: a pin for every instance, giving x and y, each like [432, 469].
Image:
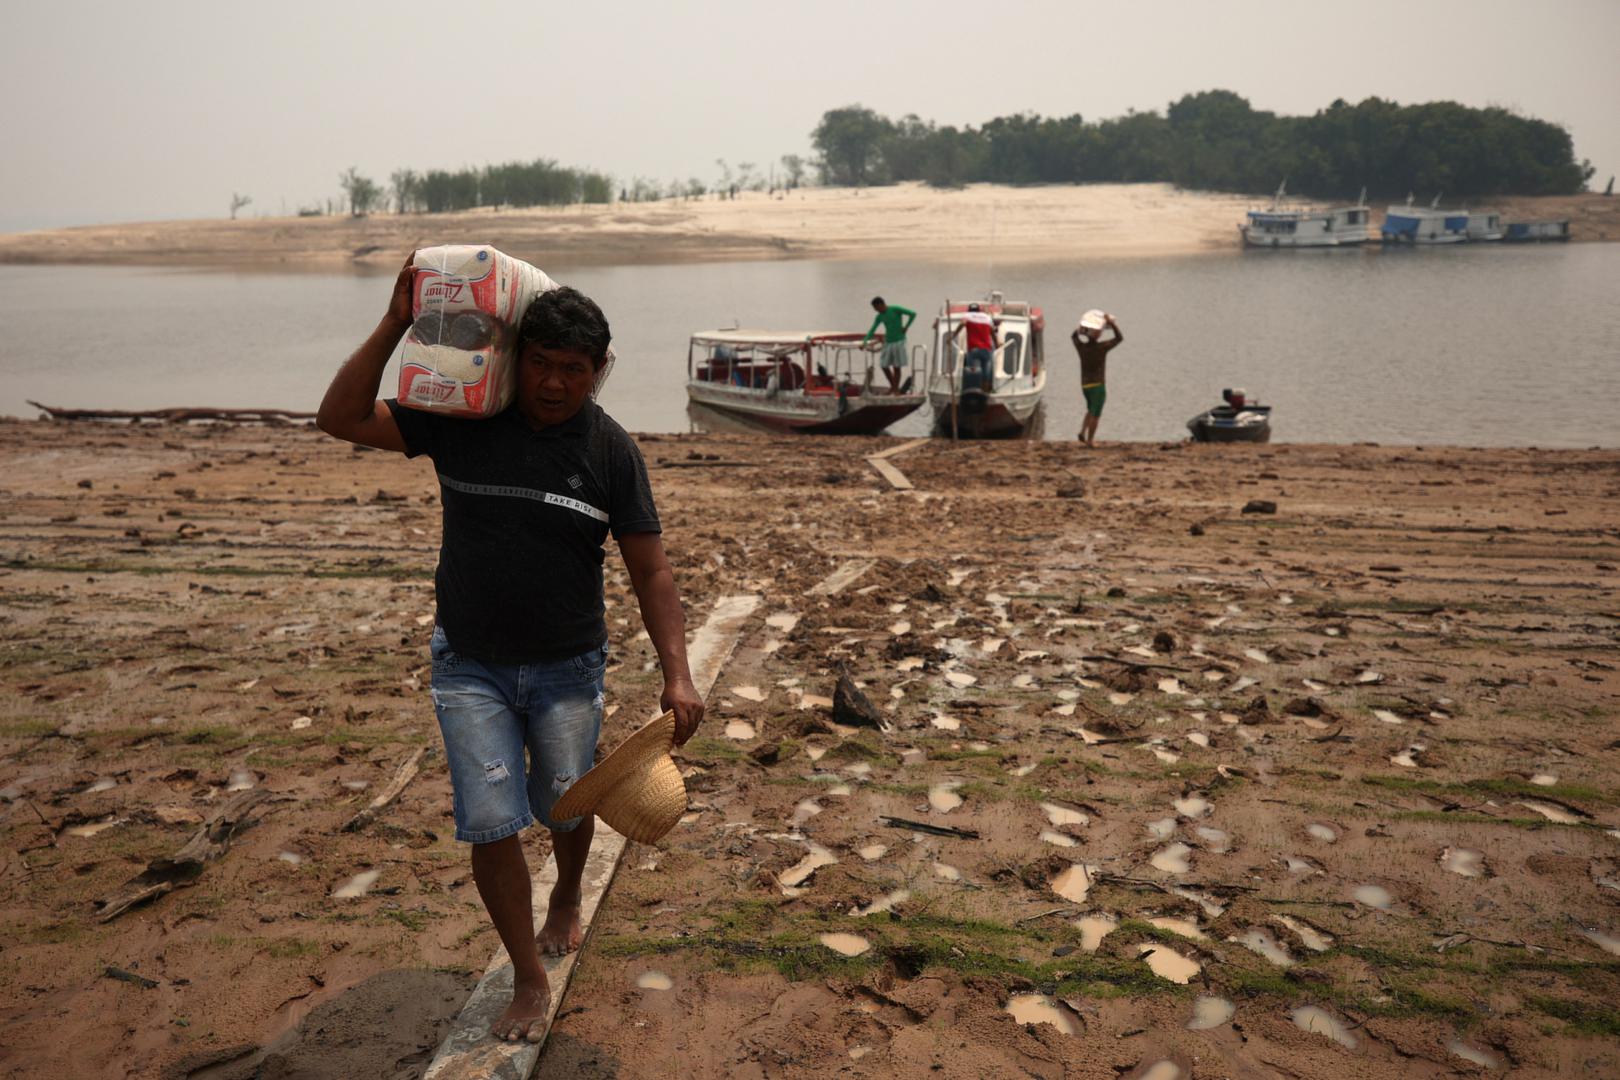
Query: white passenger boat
[1282, 226]
[1005, 402]
[1484, 226]
[818, 383]
[1532, 232]
[1424, 225]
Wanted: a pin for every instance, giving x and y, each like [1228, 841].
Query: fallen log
[208, 843]
[175, 415]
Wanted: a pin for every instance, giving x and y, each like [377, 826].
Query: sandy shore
[907, 220]
[1356, 754]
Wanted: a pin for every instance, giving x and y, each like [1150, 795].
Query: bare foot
[562, 933]
[525, 1017]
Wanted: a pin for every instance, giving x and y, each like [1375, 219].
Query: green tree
[363, 193]
[793, 166]
[402, 184]
[849, 141]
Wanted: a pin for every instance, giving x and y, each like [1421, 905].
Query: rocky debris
[1074, 489]
[1259, 506]
[1258, 711]
[853, 708]
[766, 753]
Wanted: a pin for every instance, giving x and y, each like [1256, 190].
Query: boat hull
[986, 416]
[1326, 240]
[808, 414]
[1221, 426]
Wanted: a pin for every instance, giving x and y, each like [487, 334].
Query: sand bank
[907, 220]
[1396, 692]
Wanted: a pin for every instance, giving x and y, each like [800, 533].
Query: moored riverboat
[1484, 226]
[1281, 226]
[1421, 226]
[1239, 420]
[999, 403]
[813, 382]
[1534, 232]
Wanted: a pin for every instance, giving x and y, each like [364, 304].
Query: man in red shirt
[981, 346]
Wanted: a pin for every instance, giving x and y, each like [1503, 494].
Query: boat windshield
[1012, 354]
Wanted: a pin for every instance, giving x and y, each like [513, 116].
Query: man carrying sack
[520, 640]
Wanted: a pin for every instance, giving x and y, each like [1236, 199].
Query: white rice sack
[466, 303]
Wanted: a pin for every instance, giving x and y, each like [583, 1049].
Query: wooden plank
[468, 1052]
[894, 476]
[902, 448]
[841, 578]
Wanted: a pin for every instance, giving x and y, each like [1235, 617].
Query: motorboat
[1239, 420]
[1002, 402]
[1281, 226]
[814, 382]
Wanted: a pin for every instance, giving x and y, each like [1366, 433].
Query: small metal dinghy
[1239, 420]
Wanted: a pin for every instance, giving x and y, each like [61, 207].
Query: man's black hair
[565, 318]
[876, 300]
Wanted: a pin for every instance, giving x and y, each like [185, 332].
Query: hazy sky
[123, 112]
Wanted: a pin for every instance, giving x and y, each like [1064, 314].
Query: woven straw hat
[636, 789]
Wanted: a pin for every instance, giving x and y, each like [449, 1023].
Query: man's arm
[1118, 337]
[350, 410]
[654, 584]
[908, 315]
[873, 329]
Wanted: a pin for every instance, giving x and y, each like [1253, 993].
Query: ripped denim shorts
[491, 715]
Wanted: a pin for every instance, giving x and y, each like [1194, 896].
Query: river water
[1479, 345]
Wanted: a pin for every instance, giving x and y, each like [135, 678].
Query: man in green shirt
[895, 321]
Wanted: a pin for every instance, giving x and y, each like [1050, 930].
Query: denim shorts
[490, 714]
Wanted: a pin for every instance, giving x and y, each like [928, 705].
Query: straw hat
[636, 789]
[1093, 320]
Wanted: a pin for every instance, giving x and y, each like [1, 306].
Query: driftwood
[208, 843]
[177, 415]
[924, 827]
[402, 778]
[1105, 658]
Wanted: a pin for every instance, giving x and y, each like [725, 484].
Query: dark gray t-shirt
[526, 513]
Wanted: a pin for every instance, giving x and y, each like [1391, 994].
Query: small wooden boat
[1003, 402]
[818, 383]
[1239, 420]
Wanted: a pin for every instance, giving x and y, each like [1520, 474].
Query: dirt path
[1380, 721]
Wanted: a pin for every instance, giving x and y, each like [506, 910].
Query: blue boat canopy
[1397, 225]
[1457, 224]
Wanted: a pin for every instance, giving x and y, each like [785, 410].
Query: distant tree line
[1217, 141]
[517, 183]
